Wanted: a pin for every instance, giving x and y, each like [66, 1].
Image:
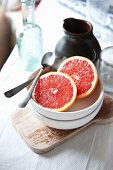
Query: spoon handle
[30, 91]
[17, 89]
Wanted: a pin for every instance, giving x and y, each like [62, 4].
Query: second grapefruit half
[83, 72]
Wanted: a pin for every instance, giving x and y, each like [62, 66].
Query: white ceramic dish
[67, 124]
[81, 107]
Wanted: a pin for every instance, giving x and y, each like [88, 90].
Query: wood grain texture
[41, 138]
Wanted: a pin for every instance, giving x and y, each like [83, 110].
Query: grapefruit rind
[74, 91]
[93, 83]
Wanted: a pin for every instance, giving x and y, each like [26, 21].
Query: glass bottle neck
[30, 14]
[24, 13]
[28, 11]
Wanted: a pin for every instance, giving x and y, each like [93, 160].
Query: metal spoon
[47, 60]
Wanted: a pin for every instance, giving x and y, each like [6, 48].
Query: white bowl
[67, 124]
[81, 107]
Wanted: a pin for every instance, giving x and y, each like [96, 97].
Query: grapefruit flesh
[83, 72]
[55, 91]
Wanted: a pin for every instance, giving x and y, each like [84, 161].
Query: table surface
[92, 149]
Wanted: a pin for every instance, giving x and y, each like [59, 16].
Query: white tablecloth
[90, 150]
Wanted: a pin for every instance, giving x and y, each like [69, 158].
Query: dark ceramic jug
[78, 39]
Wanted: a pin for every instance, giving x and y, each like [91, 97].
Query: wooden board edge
[56, 144]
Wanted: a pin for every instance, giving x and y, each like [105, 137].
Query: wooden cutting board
[41, 138]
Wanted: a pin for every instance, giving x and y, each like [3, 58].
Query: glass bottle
[29, 40]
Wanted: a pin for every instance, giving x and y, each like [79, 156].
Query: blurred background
[11, 19]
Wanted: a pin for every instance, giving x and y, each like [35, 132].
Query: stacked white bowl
[79, 114]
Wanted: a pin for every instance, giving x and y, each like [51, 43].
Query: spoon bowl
[48, 59]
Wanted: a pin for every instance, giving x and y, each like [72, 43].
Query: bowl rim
[65, 125]
[65, 120]
[73, 112]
